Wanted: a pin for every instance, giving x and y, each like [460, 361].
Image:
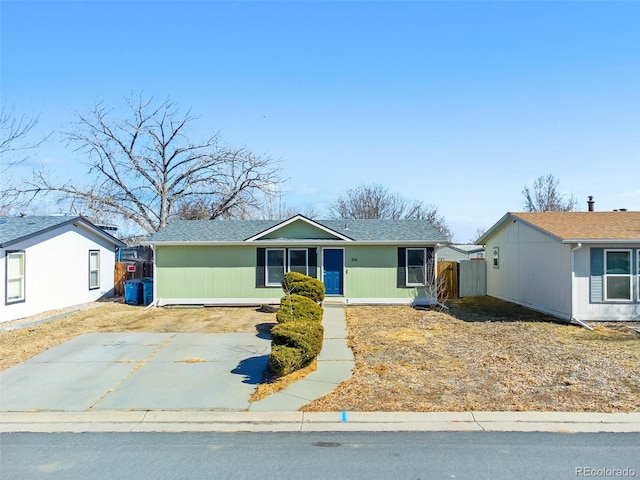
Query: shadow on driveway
[252, 368]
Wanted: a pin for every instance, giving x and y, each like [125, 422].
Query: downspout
[435, 271]
[573, 279]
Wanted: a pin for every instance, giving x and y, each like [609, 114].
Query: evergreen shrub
[298, 307]
[300, 284]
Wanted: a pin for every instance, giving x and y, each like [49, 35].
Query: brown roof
[586, 225]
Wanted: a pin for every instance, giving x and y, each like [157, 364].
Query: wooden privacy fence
[473, 278]
[465, 279]
[447, 280]
[121, 274]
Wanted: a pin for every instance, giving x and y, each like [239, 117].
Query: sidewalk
[199, 421]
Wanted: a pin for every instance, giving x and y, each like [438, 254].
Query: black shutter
[402, 267]
[260, 263]
[597, 275]
[312, 258]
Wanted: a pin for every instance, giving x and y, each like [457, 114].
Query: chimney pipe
[590, 203]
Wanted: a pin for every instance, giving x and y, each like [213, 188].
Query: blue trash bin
[132, 295]
[147, 290]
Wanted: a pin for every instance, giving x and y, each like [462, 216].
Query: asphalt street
[320, 455]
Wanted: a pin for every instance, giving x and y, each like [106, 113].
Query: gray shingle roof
[203, 231]
[15, 229]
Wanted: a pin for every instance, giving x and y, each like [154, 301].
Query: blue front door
[333, 264]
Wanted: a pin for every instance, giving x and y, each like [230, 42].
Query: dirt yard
[484, 355]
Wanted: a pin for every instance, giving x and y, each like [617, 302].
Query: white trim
[230, 301]
[424, 267]
[390, 301]
[306, 259]
[21, 278]
[344, 270]
[296, 242]
[629, 275]
[294, 219]
[266, 266]
[95, 253]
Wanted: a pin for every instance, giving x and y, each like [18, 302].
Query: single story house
[50, 262]
[235, 262]
[580, 266]
[456, 253]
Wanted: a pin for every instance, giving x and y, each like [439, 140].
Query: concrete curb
[204, 421]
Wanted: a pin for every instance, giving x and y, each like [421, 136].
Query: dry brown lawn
[484, 355]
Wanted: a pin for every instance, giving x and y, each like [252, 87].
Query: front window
[94, 269]
[416, 266]
[298, 260]
[275, 266]
[15, 277]
[617, 274]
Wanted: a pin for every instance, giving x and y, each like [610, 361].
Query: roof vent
[590, 203]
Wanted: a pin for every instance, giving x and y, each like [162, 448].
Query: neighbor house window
[496, 257]
[617, 274]
[638, 272]
[275, 266]
[94, 269]
[15, 277]
[416, 266]
[298, 260]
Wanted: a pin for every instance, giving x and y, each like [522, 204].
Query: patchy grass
[484, 354]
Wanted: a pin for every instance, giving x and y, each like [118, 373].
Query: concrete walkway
[335, 364]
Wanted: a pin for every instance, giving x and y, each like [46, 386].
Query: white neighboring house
[455, 253]
[582, 266]
[50, 262]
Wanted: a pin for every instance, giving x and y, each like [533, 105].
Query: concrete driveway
[139, 371]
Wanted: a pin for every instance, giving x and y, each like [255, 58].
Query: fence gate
[447, 280]
[473, 278]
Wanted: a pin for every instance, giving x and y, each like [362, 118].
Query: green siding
[371, 272]
[299, 230]
[193, 272]
[208, 272]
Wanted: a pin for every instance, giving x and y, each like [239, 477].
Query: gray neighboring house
[582, 266]
[51, 262]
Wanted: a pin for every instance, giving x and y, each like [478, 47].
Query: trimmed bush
[284, 360]
[300, 284]
[294, 345]
[298, 307]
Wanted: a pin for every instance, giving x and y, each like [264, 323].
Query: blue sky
[458, 104]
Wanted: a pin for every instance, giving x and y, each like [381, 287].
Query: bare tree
[15, 142]
[375, 201]
[14, 136]
[545, 197]
[144, 169]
